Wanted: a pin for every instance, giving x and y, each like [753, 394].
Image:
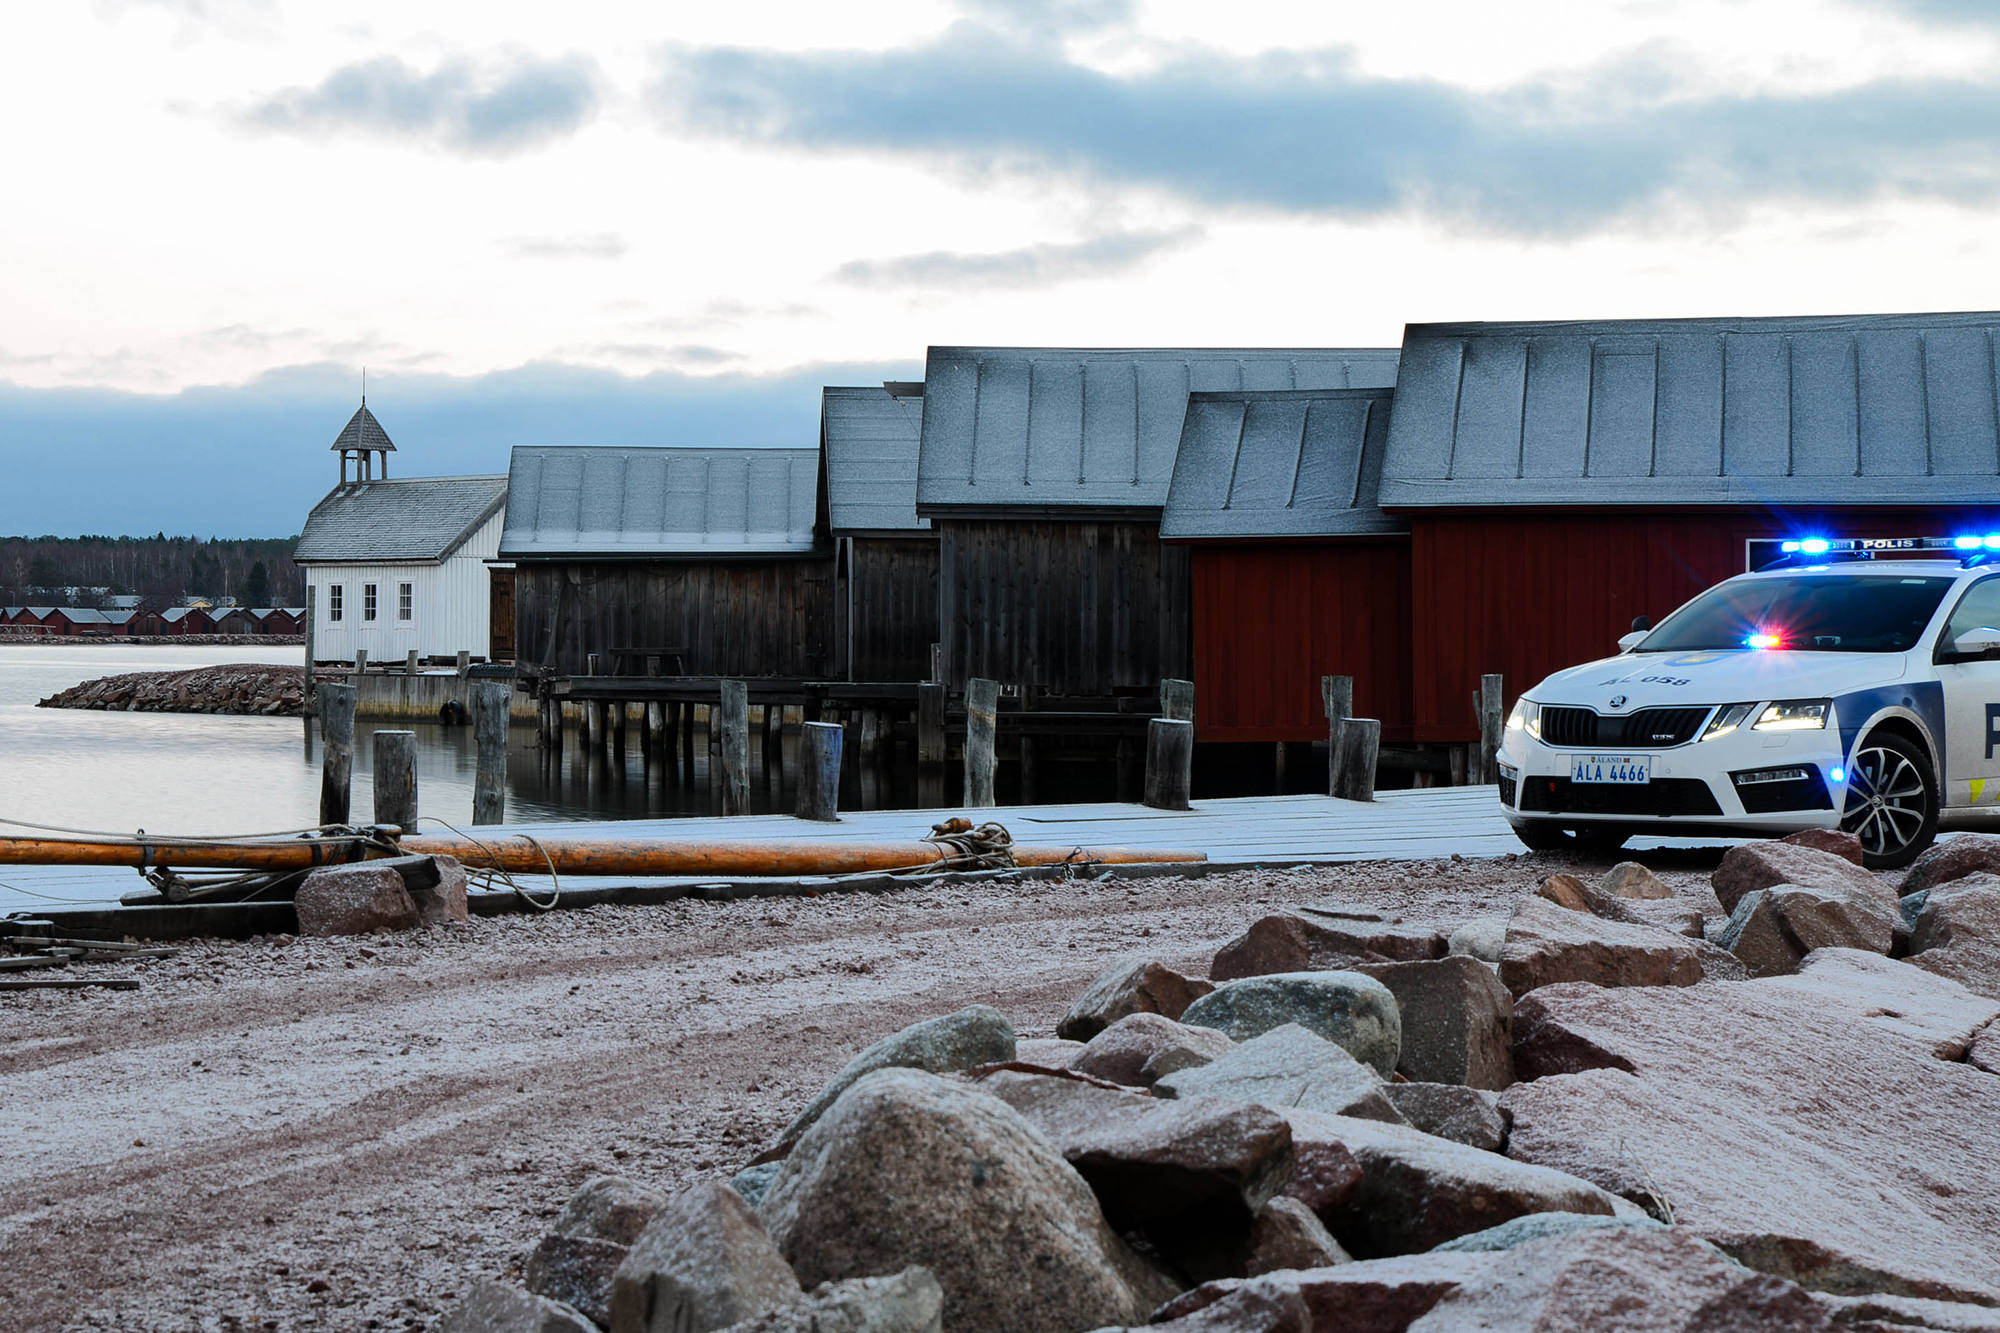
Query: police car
[1849, 684]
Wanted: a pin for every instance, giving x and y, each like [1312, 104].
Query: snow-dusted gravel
[339, 1134]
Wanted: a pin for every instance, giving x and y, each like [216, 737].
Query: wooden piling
[819, 770]
[1357, 742]
[1491, 702]
[656, 732]
[982, 708]
[336, 735]
[1336, 697]
[360, 661]
[396, 779]
[774, 742]
[464, 660]
[1177, 700]
[410, 663]
[489, 724]
[733, 735]
[1169, 762]
[687, 742]
[593, 727]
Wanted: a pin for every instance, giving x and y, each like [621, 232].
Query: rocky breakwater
[259, 689]
[1587, 1113]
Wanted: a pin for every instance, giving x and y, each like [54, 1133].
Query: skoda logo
[1617, 701]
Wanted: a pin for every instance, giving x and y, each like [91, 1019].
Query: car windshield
[1840, 613]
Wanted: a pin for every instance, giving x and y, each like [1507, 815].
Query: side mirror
[1642, 622]
[1627, 642]
[1981, 642]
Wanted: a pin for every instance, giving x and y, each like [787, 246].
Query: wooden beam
[336, 735]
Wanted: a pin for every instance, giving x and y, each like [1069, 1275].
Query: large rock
[1625, 1279]
[1457, 1021]
[356, 899]
[976, 1035]
[1842, 844]
[1348, 1009]
[702, 1263]
[1048, 1052]
[1984, 1052]
[1772, 930]
[1952, 858]
[1640, 907]
[908, 1168]
[1957, 933]
[1471, 1116]
[1289, 942]
[1482, 938]
[1540, 1226]
[1157, 1166]
[1750, 866]
[1138, 987]
[1819, 1125]
[438, 889]
[1287, 1234]
[754, 1182]
[1137, 1051]
[1629, 879]
[1882, 1313]
[1325, 1174]
[1286, 1067]
[578, 1260]
[495, 1307]
[1547, 944]
[907, 1302]
[1418, 1191]
[1376, 1296]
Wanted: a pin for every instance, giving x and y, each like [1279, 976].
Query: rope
[987, 847]
[495, 871]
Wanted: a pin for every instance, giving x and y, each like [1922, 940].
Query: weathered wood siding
[889, 607]
[1271, 618]
[1526, 593]
[769, 617]
[1062, 606]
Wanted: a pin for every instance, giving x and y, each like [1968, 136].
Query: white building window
[333, 600]
[367, 601]
[406, 600]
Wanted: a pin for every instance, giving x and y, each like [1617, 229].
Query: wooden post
[687, 741]
[593, 726]
[360, 661]
[982, 708]
[774, 741]
[1169, 762]
[489, 723]
[1357, 742]
[930, 743]
[1177, 700]
[410, 663]
[819, 770]
[871, 735]
[312, 619]
[464, 660]
[733, 732]
[396, 779]
[937, 664]
[656, 732]
[336, 734]
[1336, 696]
[1492, 707]
[590, 661]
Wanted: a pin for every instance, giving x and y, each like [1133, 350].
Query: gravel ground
[287, 1133]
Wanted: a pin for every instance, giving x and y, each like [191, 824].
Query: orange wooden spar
[571, 855]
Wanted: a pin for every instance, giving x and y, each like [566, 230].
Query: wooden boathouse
[1295, 571]
[885, 600]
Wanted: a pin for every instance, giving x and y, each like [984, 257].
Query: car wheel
[1892, 802]
[1541, 837]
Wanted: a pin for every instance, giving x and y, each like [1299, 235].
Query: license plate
[1612, 768]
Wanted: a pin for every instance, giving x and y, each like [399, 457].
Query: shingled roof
[870, 437]
[1019, 429]
[1298, 463]
[410, 518]
[613, 502]
[1836, 410]
[363, 431]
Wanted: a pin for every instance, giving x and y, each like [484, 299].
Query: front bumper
[1748, 782]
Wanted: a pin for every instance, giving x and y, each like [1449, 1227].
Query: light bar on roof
[1829, 545]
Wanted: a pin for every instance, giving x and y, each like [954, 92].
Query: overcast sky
[658, 224]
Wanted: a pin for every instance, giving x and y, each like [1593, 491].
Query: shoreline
[11, 638]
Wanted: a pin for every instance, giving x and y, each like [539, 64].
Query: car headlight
[1793, 715]
[1526, 717]
[1726, 720]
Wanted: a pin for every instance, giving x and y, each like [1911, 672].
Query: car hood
[1738, 675]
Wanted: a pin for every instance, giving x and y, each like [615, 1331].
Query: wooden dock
[1243, 831]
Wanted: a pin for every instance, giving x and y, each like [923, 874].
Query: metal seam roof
[409, 518]
[617, 502]
[1815, 410]
[1302, 463]
[870, 437]
[1022, 429]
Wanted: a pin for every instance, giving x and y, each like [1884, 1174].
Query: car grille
[1662, 796]
[1649, 728]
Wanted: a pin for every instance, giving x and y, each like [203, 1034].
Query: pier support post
[489, 723]
[360, 661]
[1169, 762]
[1356, 743]
[734, 737]
[410, 663]
[593, 726]
[982, 708]
[1177, 700]
[1336, 696]
[687, 741]
[464, 660]
[336, 733]
[396, 779]
[930, 744]
[1490, 704]
[774, 742]
[819, 770]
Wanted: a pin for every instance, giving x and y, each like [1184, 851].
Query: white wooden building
[399, 565]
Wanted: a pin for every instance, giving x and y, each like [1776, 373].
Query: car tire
[1540, 837]
[1895, 828]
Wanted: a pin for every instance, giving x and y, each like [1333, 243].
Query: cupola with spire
[367, 443]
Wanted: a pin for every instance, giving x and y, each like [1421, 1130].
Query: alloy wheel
[1887, 801]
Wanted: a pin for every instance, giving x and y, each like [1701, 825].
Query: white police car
[1851, 684]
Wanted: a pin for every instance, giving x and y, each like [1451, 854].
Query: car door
[1971, 702]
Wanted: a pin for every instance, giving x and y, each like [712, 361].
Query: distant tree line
[161, 569]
